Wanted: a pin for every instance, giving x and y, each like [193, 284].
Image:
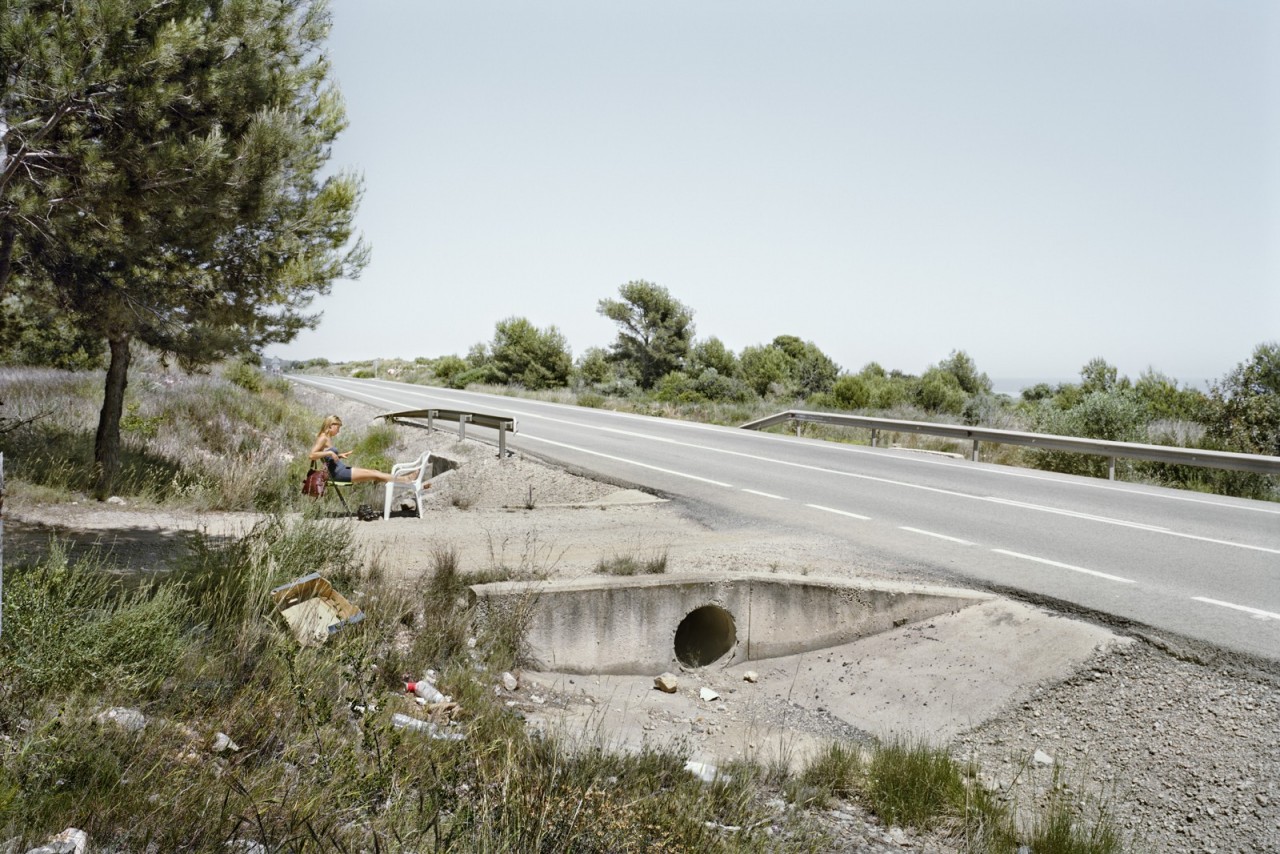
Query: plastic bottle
[400, 721]
[426, 691]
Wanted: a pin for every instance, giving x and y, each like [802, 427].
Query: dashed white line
[1256, 612]
[766, 494]
[627, 461]
[938, 536]
[839, 512]
[1048, 562]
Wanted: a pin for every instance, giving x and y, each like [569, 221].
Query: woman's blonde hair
[329, 421]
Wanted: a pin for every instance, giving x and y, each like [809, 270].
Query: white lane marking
[627, 461]
[1105, 520]
[766, 494]
[1065, 566]
[1256, 612]
[450, 394]
[932, 534]
[839, 512]
[821, 469]
[1078, 515]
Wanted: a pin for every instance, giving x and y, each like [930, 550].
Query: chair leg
[386, 506]
[343, 499]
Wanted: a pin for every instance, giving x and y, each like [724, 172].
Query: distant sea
[1013, 386]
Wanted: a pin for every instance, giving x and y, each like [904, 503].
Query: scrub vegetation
[318, 764]
[658, 367]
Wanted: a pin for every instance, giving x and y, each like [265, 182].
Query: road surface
[1201, 566]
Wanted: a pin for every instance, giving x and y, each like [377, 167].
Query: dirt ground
[1190, 751]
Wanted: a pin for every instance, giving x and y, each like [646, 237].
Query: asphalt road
[1203, 567]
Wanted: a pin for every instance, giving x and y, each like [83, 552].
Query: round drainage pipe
[704, 636]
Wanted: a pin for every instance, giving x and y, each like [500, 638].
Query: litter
[400, 721]
[313, 609]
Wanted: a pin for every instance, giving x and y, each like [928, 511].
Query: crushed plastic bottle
[400, 721]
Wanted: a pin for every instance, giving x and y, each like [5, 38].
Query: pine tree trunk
[8, 233]
[106, 445]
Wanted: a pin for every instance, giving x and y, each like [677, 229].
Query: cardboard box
[313, 609]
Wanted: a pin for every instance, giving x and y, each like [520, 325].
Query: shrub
[851, 392]
[245, 375]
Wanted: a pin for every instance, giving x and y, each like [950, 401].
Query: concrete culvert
[705, 635]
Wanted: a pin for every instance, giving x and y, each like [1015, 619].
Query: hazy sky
[1033, 183]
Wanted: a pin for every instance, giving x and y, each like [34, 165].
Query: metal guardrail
[1256, 463]
[501, 423]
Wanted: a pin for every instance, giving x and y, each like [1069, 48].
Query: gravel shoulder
[1183, 750]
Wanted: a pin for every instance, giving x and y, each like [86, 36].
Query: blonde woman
[325, 450]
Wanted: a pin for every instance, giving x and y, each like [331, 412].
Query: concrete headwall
[628, 625]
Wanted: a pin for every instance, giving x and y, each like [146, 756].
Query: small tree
[655, 330]
[960, 366]
[712, 353]
[812, 371]
[593, 366]
[1244, 406]
[766, 367]
[534, 358]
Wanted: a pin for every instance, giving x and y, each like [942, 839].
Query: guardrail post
[462, 427]
[799, 424]
[431, 420]
[1111, 468]
[875, 434]
[502, 441]
[974, 457]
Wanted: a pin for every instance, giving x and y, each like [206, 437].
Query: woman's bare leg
[365, 475]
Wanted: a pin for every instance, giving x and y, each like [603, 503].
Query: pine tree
[160, 176]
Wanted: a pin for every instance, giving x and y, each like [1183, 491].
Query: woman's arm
[320, 450]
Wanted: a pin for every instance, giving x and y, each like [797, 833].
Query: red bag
[315, 482]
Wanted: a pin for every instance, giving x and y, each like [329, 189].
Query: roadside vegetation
[230, 439]
[658, 367]
[317, 764]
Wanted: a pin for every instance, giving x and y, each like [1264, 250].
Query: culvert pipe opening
[704, 636]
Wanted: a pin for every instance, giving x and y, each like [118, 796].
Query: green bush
[68, 621]
[245, 375]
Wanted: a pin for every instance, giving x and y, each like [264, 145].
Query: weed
[632, 565]
[833, 773]
[914, 784]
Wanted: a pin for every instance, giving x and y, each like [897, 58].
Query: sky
[1036, 184]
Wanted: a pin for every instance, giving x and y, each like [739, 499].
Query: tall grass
[320, 767]
[200, 441]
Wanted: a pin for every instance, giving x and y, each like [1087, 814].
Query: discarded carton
[313, 609]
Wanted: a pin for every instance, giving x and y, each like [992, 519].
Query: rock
[510, 682]
[117, 500]
[708, 695]
[70, 841]
[222, 743]
[667, 683]
[751, 676]
[705, 771]
[129, 720]
[1042, 758]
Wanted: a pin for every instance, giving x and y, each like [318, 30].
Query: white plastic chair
[417, 486]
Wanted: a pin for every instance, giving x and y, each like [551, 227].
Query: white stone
[510, 682]
[1042, 758]
[116, 499]
[129, 720]
[751, 676]
[708, 695]
[70, 841]
[223, 743]
[667, 683]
